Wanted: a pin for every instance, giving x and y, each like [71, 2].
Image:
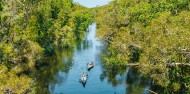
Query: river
[63, 77]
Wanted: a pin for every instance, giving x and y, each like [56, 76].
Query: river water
[64, 76]
[86, 51]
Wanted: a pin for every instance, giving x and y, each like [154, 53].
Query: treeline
[30, 30]
[152, 35]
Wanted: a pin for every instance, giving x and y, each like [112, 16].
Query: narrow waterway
[67, 78]
[64, 76]
[86, 51]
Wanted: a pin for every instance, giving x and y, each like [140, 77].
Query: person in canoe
[90, 65]
[83, 78]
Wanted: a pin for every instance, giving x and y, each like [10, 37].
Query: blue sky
[92, 3]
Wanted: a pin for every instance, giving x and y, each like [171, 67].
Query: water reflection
[63, 73]
[136, 83]
[84, 44]
[130, 78]
[86, 51]
[115, 76]
[55, 71]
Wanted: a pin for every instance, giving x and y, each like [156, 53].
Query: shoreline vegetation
[150, 35]
[30, 31]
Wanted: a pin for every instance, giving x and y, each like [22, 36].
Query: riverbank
[30, 31]
[151, 34]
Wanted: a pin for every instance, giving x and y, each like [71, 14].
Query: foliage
[30, 30]
[11, 83]
[150, 33]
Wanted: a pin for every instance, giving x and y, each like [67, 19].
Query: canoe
[83, 78]
[90, 65]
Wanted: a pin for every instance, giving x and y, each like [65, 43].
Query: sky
[92, 3]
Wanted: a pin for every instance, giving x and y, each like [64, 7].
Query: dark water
[66, 74]
[62, 74]
[86, 51]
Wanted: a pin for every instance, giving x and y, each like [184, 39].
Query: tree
[154, 36]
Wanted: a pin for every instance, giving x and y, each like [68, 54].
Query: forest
[150, 35]
[31, 30]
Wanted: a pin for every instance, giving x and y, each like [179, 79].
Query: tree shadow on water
[54, 71]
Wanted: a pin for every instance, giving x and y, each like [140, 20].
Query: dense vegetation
[152, 35]
[30, 30]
